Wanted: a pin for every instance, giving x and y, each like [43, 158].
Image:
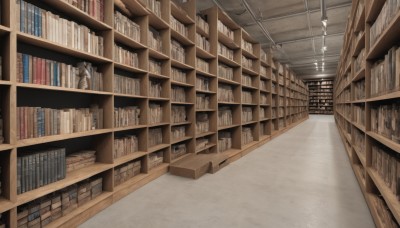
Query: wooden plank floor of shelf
[71, 178]
[128, 158]
[5, 205]
[138, 181]
[385, 141]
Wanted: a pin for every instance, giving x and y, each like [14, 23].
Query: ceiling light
[324, 22]
[325, 48]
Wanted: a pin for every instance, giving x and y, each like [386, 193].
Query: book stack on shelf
[367, 105]
[321, 96]
[142, 85]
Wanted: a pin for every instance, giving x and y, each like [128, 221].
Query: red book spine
[43, 73]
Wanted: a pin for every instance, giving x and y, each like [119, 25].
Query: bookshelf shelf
[105, 141]
[359, 45]
[387, 39]
[71, 178]
[53, 138]
[43, 43]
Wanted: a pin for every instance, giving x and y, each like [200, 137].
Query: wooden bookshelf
[355, 100]
[321, 96]
[15, 93]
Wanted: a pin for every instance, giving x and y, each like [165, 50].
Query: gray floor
[301, 179]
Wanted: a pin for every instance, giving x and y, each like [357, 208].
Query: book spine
[19, 175]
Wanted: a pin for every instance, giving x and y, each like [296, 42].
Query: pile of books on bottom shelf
[46, 209]
[80, 160]
[156, 159]
[155, 137]
[224, 141]
[126, 145]
[247, 135]
[178, 151]
[126, 171]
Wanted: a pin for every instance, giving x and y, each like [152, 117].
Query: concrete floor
[300, 179]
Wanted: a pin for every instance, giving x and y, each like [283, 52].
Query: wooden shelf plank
[128, 158]
[204, 134]
[180, 65]
[249, 123]
[5, 205]
[181, 84]
[385, 141]
[227, 81]
[201, 31]
[71, 178]
[393, 95]
[136, 8]
[359, 126]
[203, 53]
[220, 128]
[180, 14]
[4, 147]
[228, 42]
[181, 38]
[175, 141]
[207, 74]
[158, 147]
[391, 200]
[360, 23]
[359, 75]
[157, 54]
[123, 39]
[53, 138]
[227, 61]
[116, 95]
[43, 43]
[248, 54]
[210, 145]
[387, 39]
[181, 123]
[129, 68]
[157, 124]
[204, 91]
[249, 71]
[61, 89]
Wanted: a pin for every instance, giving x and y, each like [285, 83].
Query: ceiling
[295, 28]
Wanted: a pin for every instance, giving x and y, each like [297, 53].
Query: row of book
[385, 120]
[155, 88]
[263, 71]
[178, 51]
[126, 172]
[179, 26]
[80, 159]
[44, 24]
[126, 116]
[154, 6]
[386, 15]
[126, 57]
[178, 132]
[264, 99]
[178, 150]
[94, 8]
[202, 123]
[263, 113]
[359, 143]
[264, 56]
[156, 159]
[224, 141]
[202, 83]
[178, 114]
[203, 43]
[125, 145]
[126, 85]
[345, 96]
[221, 27]
[126, 26]
[178, 75]
[246, 62]
[273, 113]
[247, 46]
[35, 70]
[201, 23]
[202, 65]
[156, 113]
[247, 80]
[385, 215]
[154, 40]
[359, 114]
[225, 116]
[44, 210]
[385, 75]
[39, 169]
[202, 143]
[247, 97]
[178, 94]
[225, 71]
[202, 101]
[225, 51]
[33, 122]
[387, 164]
[247, 135]
[225, 93]
[155, 136]
[359, 63]
[263, 85]
[155, 66]
[247, 114]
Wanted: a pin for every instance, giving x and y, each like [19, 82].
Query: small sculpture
[85, 72]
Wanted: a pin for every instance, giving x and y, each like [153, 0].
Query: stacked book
[125, 146]
[126, 171]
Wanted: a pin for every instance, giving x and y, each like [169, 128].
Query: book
[154, 6]
[156, 113]
[225, 51]
[202, 65]
[203, 101]
[54, 28]
[124, 56]
[225, 116]
[178, 94]
[178, 114]
[178, 52]
[224, 141]
[225, 71]
[221, 27]
[178, 132]
[247, 80]
[178, 150]
[178, 75]
[156, 159]
[202, 23]
[247, 46]
[386, 15]
[35, 70]
[127, 171]
[80, 159]
[247, 97]
[178, 26]
[247, 135]
[126, 116]
[31, 168]
[94, 8]
[203, 83]
[155, 136]
[246, 62]
[202, 123]
[125, 145]
[155, 88]
[203, 42]
[154, 40]
[126, 26]
[127, 85]
[225, 93]
[247, 114]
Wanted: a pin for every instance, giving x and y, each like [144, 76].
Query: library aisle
[305, 183]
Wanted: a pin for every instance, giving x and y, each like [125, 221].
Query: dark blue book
[25, 64]
[22, 16]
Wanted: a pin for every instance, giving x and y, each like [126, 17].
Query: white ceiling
[296, 29]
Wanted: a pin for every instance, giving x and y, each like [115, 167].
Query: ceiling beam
[309, 38]
[338, 6]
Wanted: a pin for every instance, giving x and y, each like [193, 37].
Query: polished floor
[300, 179]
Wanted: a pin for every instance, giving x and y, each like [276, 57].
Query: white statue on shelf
[85, 72]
